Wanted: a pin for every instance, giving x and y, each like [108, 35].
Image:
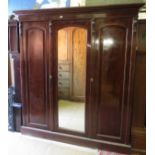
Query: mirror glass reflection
[72, 43]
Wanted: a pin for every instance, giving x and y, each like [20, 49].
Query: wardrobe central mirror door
[72, 43]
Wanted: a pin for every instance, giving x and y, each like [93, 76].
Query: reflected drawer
[63, 67]
[63, 83]
[63, 92]
[63, 75]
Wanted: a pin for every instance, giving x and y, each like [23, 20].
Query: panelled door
[111, 109]
[71, 76]
[35, 76]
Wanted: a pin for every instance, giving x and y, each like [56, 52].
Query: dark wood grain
[35, 43]
[112, 79]
[80, 12]
[138, 134]
[139, 106]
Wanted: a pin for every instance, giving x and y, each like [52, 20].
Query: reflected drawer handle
[60, 74]
[60, 83]
[60, 67]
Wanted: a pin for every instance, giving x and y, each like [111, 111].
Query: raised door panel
[112, 108]
[35, 42]
[111, 79]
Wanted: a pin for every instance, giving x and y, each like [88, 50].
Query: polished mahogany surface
[93, 9]
[35, 41]
[109, 73]
[138, 132]
[111, 83]
[139, 115]
[112, 57]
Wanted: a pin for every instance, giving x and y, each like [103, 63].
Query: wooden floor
[26, 145]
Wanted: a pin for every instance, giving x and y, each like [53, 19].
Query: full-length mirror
[72, 43]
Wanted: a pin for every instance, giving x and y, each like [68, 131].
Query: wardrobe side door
[34, 63]
[114, 54]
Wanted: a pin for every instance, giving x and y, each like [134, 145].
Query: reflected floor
[72, 115]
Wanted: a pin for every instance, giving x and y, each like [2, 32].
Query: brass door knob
[91, 80]
[50, 77]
